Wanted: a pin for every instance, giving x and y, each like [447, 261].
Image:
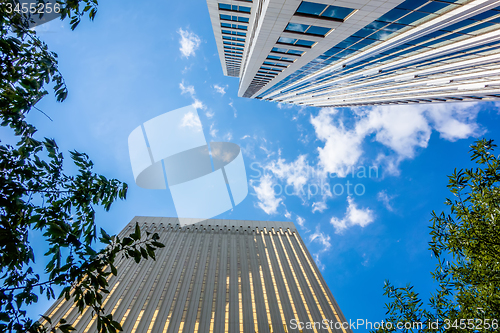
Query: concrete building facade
[216, 276]
[360, 52]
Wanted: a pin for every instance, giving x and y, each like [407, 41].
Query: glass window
[364, 32]
[495, 20]
[272, 57]
[394, 27]
[233, 26]
[237, 33]
[345, 53]
[286, 40]
[475, 29]
[274, 64]
[433, 42]
[265, 72]
[412, 4]
[413, 17]
[435, 6]
[436, 34]
[333, 50]
[233, 48]
[271, 69]
[244, 9]
[336, 12]
[297, 42]
[233, 18]
[380, 35]
[459, 25]
[342, 45]
[311, 8]
[223, 6]
[483, 16]
[282, 50]
[393, 15]
[318, 31]
[279, 50]
[357, 46]
[234, 38]
[307, 29]
[233, 43]
[323, 11]
[296, 27]
[375, 25]
[296, 52]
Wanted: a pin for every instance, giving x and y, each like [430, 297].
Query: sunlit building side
[216, 276]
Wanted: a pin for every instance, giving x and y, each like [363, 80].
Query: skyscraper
[360, 52]
[217, 276]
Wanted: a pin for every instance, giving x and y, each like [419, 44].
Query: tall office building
[360, 52]
[216, 276]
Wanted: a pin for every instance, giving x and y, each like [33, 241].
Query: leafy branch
[36, 195]
[466, 244]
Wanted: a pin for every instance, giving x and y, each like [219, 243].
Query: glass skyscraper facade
[216, 276]
[360, 52]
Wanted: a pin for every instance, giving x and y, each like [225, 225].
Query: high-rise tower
[217, 276]
[360, 52]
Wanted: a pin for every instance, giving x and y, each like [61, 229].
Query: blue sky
[139, 60]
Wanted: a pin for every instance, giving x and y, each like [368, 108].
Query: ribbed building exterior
[216, 276]
[347, 53]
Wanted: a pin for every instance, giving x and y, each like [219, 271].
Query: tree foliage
[36, 195]
[466, 244]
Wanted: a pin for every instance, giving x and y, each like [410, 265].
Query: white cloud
[285, 106]
[221, 90]
[213, 131]
[321, 238]
[366, 261]
[296, 173]
[353, 216]
[197, 104]
[319, 206]
[403, 129]
[385, 199]
[187, 69]
[456, 122]
[245, 137]
[189, 41]
[210, 114]
[301, 220]
[324, 240]
[191, 120]
[299, 178]
[287, 214]
[342, 147]
[186, 89]
[228, 136]
[267, 151]
[235, 112]
[398, 132]
[268, 201]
